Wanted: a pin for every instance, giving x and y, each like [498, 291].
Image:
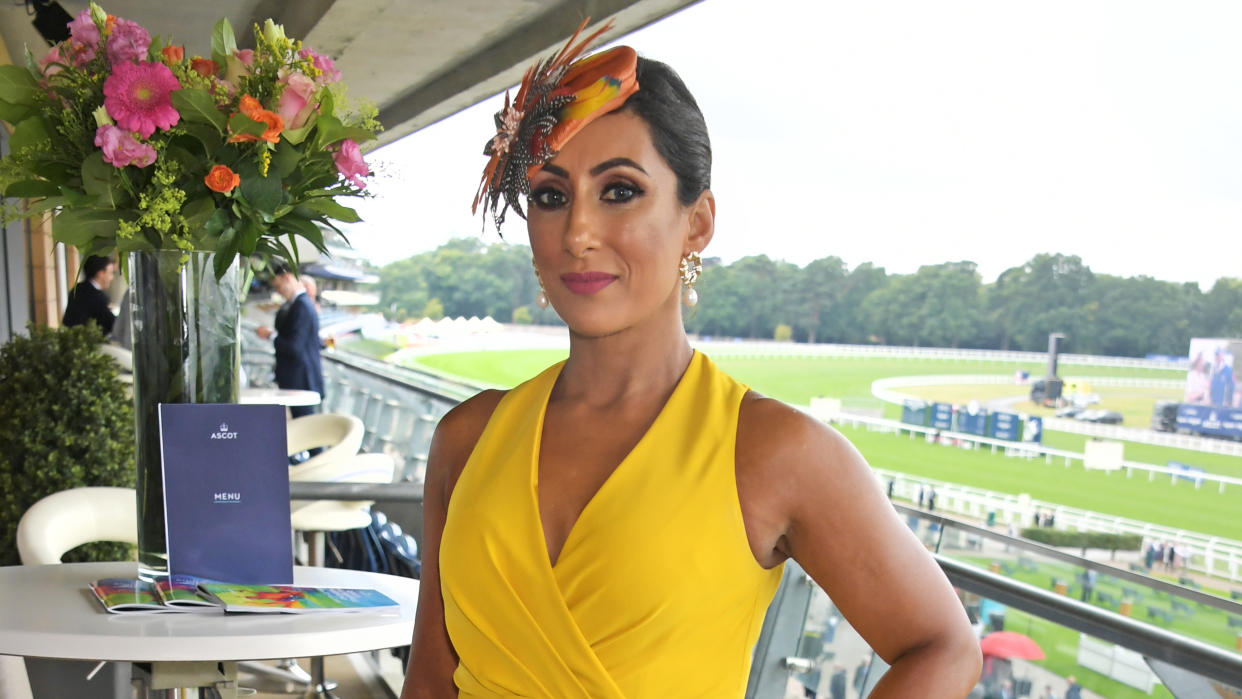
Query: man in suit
[296, 338]
[89, 299]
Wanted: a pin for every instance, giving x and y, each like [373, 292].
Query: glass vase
[187, 349]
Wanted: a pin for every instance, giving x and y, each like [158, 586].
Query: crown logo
[224, 427]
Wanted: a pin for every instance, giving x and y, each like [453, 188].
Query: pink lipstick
[587, 283]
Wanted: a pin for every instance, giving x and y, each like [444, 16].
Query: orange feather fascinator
[556, 99]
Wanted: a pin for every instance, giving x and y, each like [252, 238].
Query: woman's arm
[824, 508]
[432, 658]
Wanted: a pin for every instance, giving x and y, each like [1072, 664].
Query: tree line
[940, 305]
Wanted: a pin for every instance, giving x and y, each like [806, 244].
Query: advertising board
[1210, 420]
[914, 412]
[1006, 426]
[942, 416]
[1210, 379]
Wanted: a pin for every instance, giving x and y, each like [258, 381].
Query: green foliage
[1084, 540]
[782, 333]
[65, 422]
[522, 315]
[433, 310]
[940, 305]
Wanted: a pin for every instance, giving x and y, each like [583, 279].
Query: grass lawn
[1179, 506]
[1221, 464]
[369, 348]
[794, 380]
[504, 369]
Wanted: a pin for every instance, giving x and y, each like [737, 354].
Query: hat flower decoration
[557, 98]
[136, 145]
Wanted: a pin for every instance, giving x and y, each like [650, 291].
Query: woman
[616, 526]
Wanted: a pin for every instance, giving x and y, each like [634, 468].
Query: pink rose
[120, 148]
[327, 67]
[246, 56]
[296, 103]
[51, 63]
[350, 164]
[83, 37]
[128, 42]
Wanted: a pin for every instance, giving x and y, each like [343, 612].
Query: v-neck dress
[655, 593]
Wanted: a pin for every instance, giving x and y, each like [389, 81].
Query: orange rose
[173, 54]
[250, 107]
[221, 179]
[203, 66]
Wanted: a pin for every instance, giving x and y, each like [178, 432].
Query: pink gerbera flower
[138, 97]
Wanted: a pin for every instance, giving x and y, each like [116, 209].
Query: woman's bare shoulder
[455, 437]
[774, 434]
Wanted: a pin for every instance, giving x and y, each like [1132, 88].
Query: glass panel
[1120, 592]
[843, 665]
[840, 657]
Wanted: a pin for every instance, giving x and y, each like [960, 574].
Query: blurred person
[89, 299]
[836, 685]
[1221, 384]
[1074, 691]
[617, 526]
[296, 338]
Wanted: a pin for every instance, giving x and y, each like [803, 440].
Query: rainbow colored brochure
[181, 591]
[294, 600]
[123, 595]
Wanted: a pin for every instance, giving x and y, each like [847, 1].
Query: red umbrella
[1007, 644]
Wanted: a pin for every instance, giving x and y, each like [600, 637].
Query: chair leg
[320, 688]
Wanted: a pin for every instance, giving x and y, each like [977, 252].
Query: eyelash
[539, 197]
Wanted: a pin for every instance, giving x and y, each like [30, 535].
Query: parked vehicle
[1106, 417]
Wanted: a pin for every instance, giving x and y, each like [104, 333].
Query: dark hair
[678, 130]
[94, 265]
[278, 267]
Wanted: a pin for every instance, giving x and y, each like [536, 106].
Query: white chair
[124, 358]
[49, 529]
[339, 435]
[320, 516]
[70, 518]
[13, 681]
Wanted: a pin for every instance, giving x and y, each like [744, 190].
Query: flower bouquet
[182, 165]
[138, 146]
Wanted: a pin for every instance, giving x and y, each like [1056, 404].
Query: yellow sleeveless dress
[656, 592]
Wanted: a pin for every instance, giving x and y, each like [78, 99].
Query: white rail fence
[887, 390]
[1209, 555]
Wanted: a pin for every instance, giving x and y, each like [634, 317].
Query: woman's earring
[691, 267]
[541, 299]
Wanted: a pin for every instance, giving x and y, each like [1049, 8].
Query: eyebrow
[614, 162]
[602, 167]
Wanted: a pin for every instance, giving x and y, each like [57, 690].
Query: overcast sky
[905, 133]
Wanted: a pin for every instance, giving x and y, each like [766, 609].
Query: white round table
[278, 396]
[48, 611]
